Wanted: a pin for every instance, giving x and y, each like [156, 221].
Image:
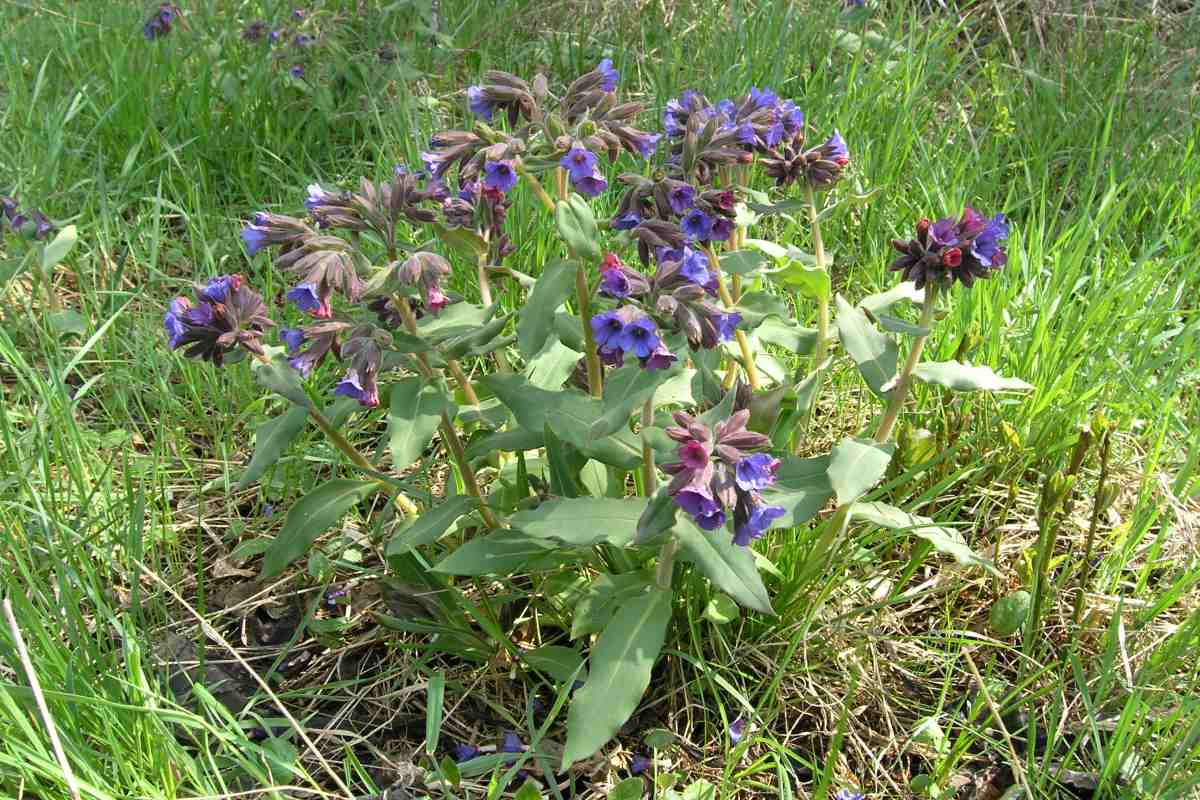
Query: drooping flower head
[227, 315]
[426, 271]
[478, 102]
[949, 250]
[160, 21]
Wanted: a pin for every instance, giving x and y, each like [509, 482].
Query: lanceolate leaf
[499, 553]
[551, 367]
[510, 441]
[552, 289]
[743, 262]
[456, 319]
[583, 521]
[883, 302]
[431, 525]
[802, 487]
[311, 516]
[271, 440]
[626, 389]
[620, 665]
[657, 516]
[414, 416]
[965, 377]
[462, 239]
[757, 306]
[730, 567]
[944, 540]
[874, 352]
[58, 249]
[563, 482]
[788, 335]
[601, 599]
[278, 376]
[561, 663]
[855, 465]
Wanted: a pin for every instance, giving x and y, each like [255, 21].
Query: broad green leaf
[783, 207]
[271, 440]
[551, 367]
[772, 249]
[569, 330]
[882, 303]
[278, 376]
[874, 352]
[311, 516]
[58, 249]
[730, 567]
[896, 325]
[563, 482]
[721, 610]
[577, 226]
[552, 289]
[743, 262]
[855, 465]
[478, 341]
[811, 281]
[1009, 613]
[68, 321]
[629, 789]
[529, 791]
[620, 664]
[721, 411]
[965, 377]
[583, 521]
[625, 389]
[802, 487]
[455, 319]
[432, 525]
[498, 553]
[462, 239]
[561, 663]
[414, 416]
[765, 408]
[944, 540]
[757, 306]
[788, 335]
[677, 390]
[603, 597]
[510, 441]
[657, 517]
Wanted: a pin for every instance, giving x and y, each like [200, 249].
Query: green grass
[117, 457]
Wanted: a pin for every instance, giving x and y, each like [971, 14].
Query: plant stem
[900, 393]
[536, 185]
[560, 182]
[584, 301]
[665, 571]
[455, 368]
[1098, 508]
[740, 335]
[485, 294]
[464, 467]
[649, 473]
[822, 346]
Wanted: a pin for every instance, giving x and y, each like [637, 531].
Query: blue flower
[791, 117]
[580, 162]
[756, 471]
[307, 297]
[478, 103]
[986, 247]
[846, 794]
[255, 239]
[835, 149]
[694, 266]
[362, 391]
[465, 752]
[499, 175]
[316, 196]
[218, 289]
[293, 338]
[273, 37]
[746, 135]
[434, 163]
[706, 512]
[639, 764]
[606, 327]
[640, 337]
[645, 143]
[611, 75]
[681, 198]
[660, 358]
[173, 321]
[613, 283]
[697, 225]
[627, 221]
[727, 325]
[761, 519]
[511, 743]
[297, 71]
[722, 229]
[591, 185]
[728, 108]
[762, 98]
[737, 729]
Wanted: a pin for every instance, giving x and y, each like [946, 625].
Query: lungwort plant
[637, 416]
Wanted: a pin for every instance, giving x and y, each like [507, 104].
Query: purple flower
[307, 297]
[613, 283]
[611, 356]
[302, 40]
[316, 196]
[761, 519]
[590, 185]
[835, 150]
[706, 512]
[465, 752]
[660, 358]
[737, 728]
[606, 69]
[694, 266]
[727, 325]
[791, 117]
[255, 239]
[362, 391]
[756, 472]
[173, 321]
[297, 13]
[511, 743]
[681, 198]
[694, 455]
[639, 764]
[762, 98]
[722, 229]
[606, 327]
[297, 71]
[645, 143]
[627, 221]
[746, 135]
[580, 162]
[273, 37]
[478, 103]
[218, 289]
[499, 175]
[639, 336]
[293, 338]
[986, 247]
[846, 794]
[697, 225]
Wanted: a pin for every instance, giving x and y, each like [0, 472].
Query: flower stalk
[743, 343]
[904, 379]
[583, 298]
[822, 346]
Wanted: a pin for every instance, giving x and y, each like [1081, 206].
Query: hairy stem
[665, 572]
[822, 346]
[904, 380]
[740, 335]
[583, 297]
[485, 294]
[649, 473]
[536, 185]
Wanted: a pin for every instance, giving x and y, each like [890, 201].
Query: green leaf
[498, 553]
[757, 306]
[730, 567]
[874, 352]
[479, 341]
[603, 597]
[551, 367]
[528, 791]
[271, 440]
[68, 321]
[583, 521]
[432, 525]
[772, 249]
[58, 249]
[721, 610]
[561, 663]
[435, 697]
[625, 389]
[944, 540]
[278, 376]
[311, 516]
[1009, 613]
[802, 487]
[811, 281]
[464, 240]
[577, 226]
[658, 516]
[510, 441]
[855, 465]
[882, 303]
[454, 320]
[620, 663]
[563, 481]
[552, 289]
[629, 789]
[743, 262]
[569, 331]
[964, 377]
[788, 335]
[765, 408]
[896, 325]
[415, 413]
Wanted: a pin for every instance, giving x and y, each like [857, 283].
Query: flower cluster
[227, 314]
[160, 21]
[297, 42]
[821, 167]
[702, 216]
[720, 472]
[946, 250]
[33, 224]
[757, 120]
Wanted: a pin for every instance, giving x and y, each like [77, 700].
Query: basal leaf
[271, 440]
[499, 553]
[311, 516]
[56, 250]
[564, 664]
[552, 289]
[415, 413]
[432, 525]
[278, 376]
[603, 596]
[730, 567]
[874, 352]
[802, 487]
[965, 377]
[626, 389]
[583, 521]
[620, 664]
[855, 465]
[944, 540]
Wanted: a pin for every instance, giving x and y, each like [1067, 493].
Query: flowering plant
[653, 347]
